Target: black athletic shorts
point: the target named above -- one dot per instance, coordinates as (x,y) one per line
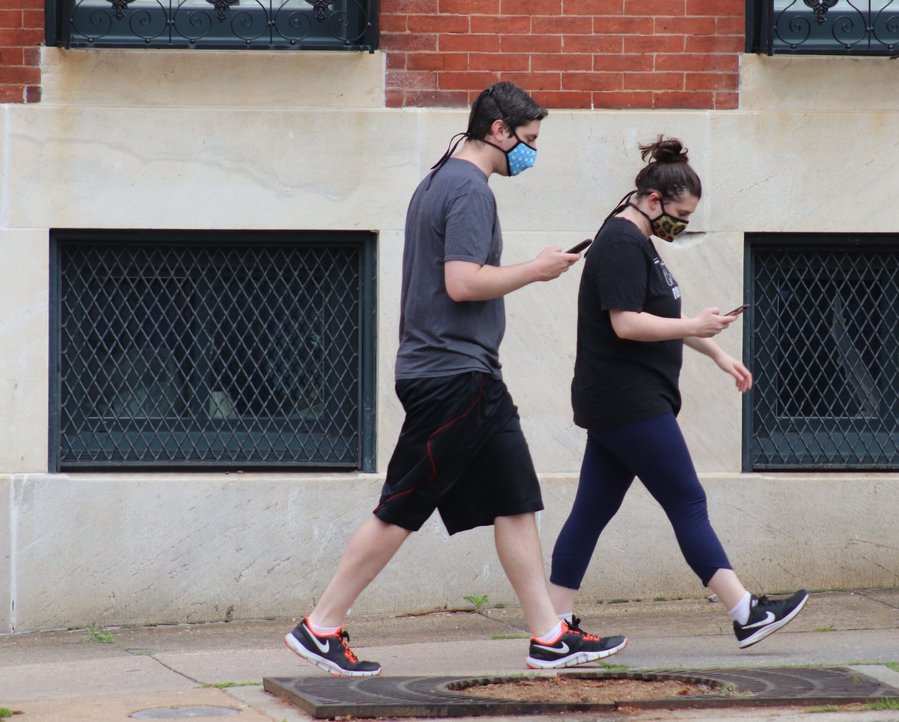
(461,451)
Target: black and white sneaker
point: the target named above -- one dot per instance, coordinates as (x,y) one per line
(766,616)
(330,652)
(572,647)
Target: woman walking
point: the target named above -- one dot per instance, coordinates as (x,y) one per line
(630,339)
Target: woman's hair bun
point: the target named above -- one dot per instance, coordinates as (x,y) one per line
(665,150)
(667,171)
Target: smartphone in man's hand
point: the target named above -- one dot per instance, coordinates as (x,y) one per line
(580,246)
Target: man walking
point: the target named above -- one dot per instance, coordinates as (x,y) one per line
(461,449)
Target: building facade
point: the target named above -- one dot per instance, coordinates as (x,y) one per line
(202,222)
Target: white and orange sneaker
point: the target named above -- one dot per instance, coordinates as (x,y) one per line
(572,647)
(330,652)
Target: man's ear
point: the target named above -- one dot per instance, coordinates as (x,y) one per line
(499,128)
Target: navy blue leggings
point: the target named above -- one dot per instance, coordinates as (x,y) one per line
(653,450)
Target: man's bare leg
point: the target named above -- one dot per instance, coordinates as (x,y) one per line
(367,553)
(518,547)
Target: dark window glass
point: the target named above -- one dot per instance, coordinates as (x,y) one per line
(246,350)
(822,339)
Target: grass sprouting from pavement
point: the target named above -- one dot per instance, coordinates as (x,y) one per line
(226,685)
(889,703)
(95,634)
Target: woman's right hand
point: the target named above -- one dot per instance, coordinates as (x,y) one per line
(709,322)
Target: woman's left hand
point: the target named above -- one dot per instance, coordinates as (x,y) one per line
(730,365)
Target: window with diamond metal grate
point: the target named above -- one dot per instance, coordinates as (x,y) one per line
(225,350)
(822,337)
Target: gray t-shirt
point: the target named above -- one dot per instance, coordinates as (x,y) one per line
(451,217)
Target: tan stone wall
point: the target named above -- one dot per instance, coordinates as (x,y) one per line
(132,548)
(170,140)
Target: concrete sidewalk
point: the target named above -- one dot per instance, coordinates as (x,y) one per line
(71,676)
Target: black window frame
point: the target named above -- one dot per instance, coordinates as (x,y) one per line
(358,245)
(353,27)
(780,439)
(798,29)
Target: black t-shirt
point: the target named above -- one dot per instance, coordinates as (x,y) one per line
(616,381)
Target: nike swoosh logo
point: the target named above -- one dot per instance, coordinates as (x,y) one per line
(564,649)
(769,617)
(321,648)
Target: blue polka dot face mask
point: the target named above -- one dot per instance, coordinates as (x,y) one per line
(520,157)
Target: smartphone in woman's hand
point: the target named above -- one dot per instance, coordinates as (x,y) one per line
(738,310)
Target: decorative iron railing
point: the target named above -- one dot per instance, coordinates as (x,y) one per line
(822,338)
(823,27)
(224,351)
(254,24)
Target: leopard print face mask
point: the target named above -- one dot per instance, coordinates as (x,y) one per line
(665,226)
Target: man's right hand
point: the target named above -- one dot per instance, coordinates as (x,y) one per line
(553,262)
(467,281)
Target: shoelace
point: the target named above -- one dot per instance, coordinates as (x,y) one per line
(344,637)
(574,626)
(760,601)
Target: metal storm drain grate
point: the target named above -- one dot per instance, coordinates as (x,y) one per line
(184,712)
(325,698)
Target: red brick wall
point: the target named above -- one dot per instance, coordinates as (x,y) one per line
(21,35)
(567,53)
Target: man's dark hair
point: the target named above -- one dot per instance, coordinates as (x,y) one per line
(504,101)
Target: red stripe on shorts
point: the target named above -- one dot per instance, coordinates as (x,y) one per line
(433,434)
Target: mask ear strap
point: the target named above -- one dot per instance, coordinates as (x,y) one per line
(458,137)
(451,148)
(623,203)
(620,206)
